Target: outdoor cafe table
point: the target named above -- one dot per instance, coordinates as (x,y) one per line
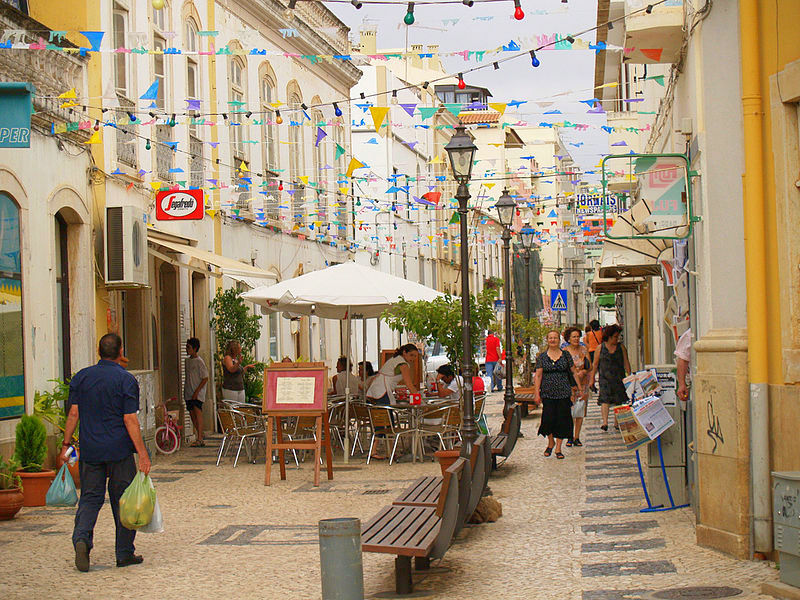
(414,411)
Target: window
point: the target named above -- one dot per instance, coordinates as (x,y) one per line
(160,18)
(296,160)
(316,175)
(164,153)
(159,70)
(343,203)
(269,129)
(62,298)
(12,380)
(238,105)
(120,25)
(196,165)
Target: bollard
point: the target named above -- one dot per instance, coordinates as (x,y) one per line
(340,559)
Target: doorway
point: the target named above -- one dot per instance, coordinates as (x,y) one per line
(169,357)
(63,348)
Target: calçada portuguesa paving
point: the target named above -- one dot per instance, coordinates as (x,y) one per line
(571,529)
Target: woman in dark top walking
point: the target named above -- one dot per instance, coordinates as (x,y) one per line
(611,362)
(553,387)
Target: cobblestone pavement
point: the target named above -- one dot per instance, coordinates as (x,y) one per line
(570,529)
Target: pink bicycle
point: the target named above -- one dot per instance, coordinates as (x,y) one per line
(168,436)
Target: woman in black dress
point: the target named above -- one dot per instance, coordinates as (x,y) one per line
(611,361)
(553,387)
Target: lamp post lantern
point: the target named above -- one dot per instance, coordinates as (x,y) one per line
(576,289)
(505,211)
(559,277)
(461,151)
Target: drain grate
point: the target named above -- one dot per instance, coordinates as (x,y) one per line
(374,492)
(697,592)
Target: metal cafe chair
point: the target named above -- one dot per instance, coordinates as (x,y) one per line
(384,422)
(249,428)
(434,422)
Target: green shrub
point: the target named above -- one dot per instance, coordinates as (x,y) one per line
(31,444)
(8,474)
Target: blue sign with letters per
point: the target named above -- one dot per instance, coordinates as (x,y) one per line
(558,300)
(15,114)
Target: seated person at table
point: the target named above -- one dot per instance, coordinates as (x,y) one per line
(394,371)
(449,384)
(370,373)
(342,379)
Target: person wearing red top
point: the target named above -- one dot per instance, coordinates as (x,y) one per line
(492,357)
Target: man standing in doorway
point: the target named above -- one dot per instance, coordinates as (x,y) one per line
(492,356)
(194,388)
(106,399)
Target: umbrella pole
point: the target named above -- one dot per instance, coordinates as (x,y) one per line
(347,397)
(364,358)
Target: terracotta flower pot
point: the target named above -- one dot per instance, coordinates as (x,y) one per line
(35,486)
(447,457)
(10,503)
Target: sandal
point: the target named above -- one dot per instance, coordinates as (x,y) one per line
(577,442)
(569,443)
(559,455)
(604,427)
(548,451)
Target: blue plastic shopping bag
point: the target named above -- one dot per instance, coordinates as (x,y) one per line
(62,490)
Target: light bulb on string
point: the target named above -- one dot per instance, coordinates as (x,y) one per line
(394,97)
(158,4)
(461,84)
(409,18)
(147,145)
(534,61)
(496,66)
(97,125)
(336,110)
(280,186)
(131,117)
(469,3)
(172,121)
(519,14)
(278,118)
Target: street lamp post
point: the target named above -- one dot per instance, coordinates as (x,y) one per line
(559,277)
(526,236)
(505,210)
(461,151)
(576,289)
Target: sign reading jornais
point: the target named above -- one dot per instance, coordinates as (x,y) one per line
(179,205)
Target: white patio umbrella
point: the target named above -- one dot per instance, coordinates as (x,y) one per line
(342,292)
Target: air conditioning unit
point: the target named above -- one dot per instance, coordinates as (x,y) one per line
(126,247)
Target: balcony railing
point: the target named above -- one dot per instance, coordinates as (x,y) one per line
(654,37)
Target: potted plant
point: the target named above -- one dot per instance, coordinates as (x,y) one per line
(30,452)
(49,406)
(10,489)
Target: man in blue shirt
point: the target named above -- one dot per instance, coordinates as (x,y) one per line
(106,398)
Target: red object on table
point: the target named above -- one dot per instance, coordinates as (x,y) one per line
(416,399)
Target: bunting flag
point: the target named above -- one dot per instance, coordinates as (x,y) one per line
(304,179)
(95,38)
(652,53)
(320,135)
(453,108)
(454,220)
(339,152)
(409,108)
(498,106)
(70,97)
(95,139)
(426,112)
(354,164)
(378,115)
(151,93)
(432,198)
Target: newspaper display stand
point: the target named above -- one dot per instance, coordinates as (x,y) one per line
(641,423)
(296,390)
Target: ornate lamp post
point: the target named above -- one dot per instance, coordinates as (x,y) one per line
(576,289)
(461,151)
(505,211)
(559,277)
(526,237)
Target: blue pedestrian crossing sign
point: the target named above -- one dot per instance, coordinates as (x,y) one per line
(558,300)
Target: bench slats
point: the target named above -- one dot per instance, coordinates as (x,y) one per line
(498,443)
(401,530)
(423,492)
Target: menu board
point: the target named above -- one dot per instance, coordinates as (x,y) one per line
(294,390)
(295,387)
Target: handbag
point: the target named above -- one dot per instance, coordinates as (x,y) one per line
(578,408)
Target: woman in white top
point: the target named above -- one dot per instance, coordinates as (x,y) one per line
(394,371)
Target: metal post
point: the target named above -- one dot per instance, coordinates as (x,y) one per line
(575,304)
(508,395)
(526,256)
(469,431)
(340,559)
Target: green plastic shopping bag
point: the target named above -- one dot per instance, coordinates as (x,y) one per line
(62,490)
(138,502)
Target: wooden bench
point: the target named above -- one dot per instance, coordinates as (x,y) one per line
(419,531)
(525,400)
(503,443)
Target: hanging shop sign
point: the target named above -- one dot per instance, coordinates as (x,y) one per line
(596,204)
(180,205)
(15,114)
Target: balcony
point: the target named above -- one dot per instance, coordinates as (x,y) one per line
(654,38)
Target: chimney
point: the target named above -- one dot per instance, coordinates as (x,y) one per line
(433,62)
(368,41)
(416,50)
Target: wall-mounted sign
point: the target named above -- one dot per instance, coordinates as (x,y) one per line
(15,114)
(180,205)
(593,204)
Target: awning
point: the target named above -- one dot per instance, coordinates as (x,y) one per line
(252,276)
(633,256)
(616,286)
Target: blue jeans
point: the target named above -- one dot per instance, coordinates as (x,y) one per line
(490,366)
(119,474)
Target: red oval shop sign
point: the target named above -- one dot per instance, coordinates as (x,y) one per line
(179,205)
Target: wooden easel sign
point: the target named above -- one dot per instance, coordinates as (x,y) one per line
(296,390)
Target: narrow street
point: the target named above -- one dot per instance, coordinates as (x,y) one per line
(570,530)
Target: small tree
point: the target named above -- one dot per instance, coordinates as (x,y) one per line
(439,320)
(231,320)
(30,448)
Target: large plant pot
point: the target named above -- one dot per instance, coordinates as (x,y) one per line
(447,457)
(10,503)
(35,486)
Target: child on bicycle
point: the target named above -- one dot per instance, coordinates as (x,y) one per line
(194,388)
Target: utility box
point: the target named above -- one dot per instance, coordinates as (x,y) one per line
(786,523)
(673,446)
